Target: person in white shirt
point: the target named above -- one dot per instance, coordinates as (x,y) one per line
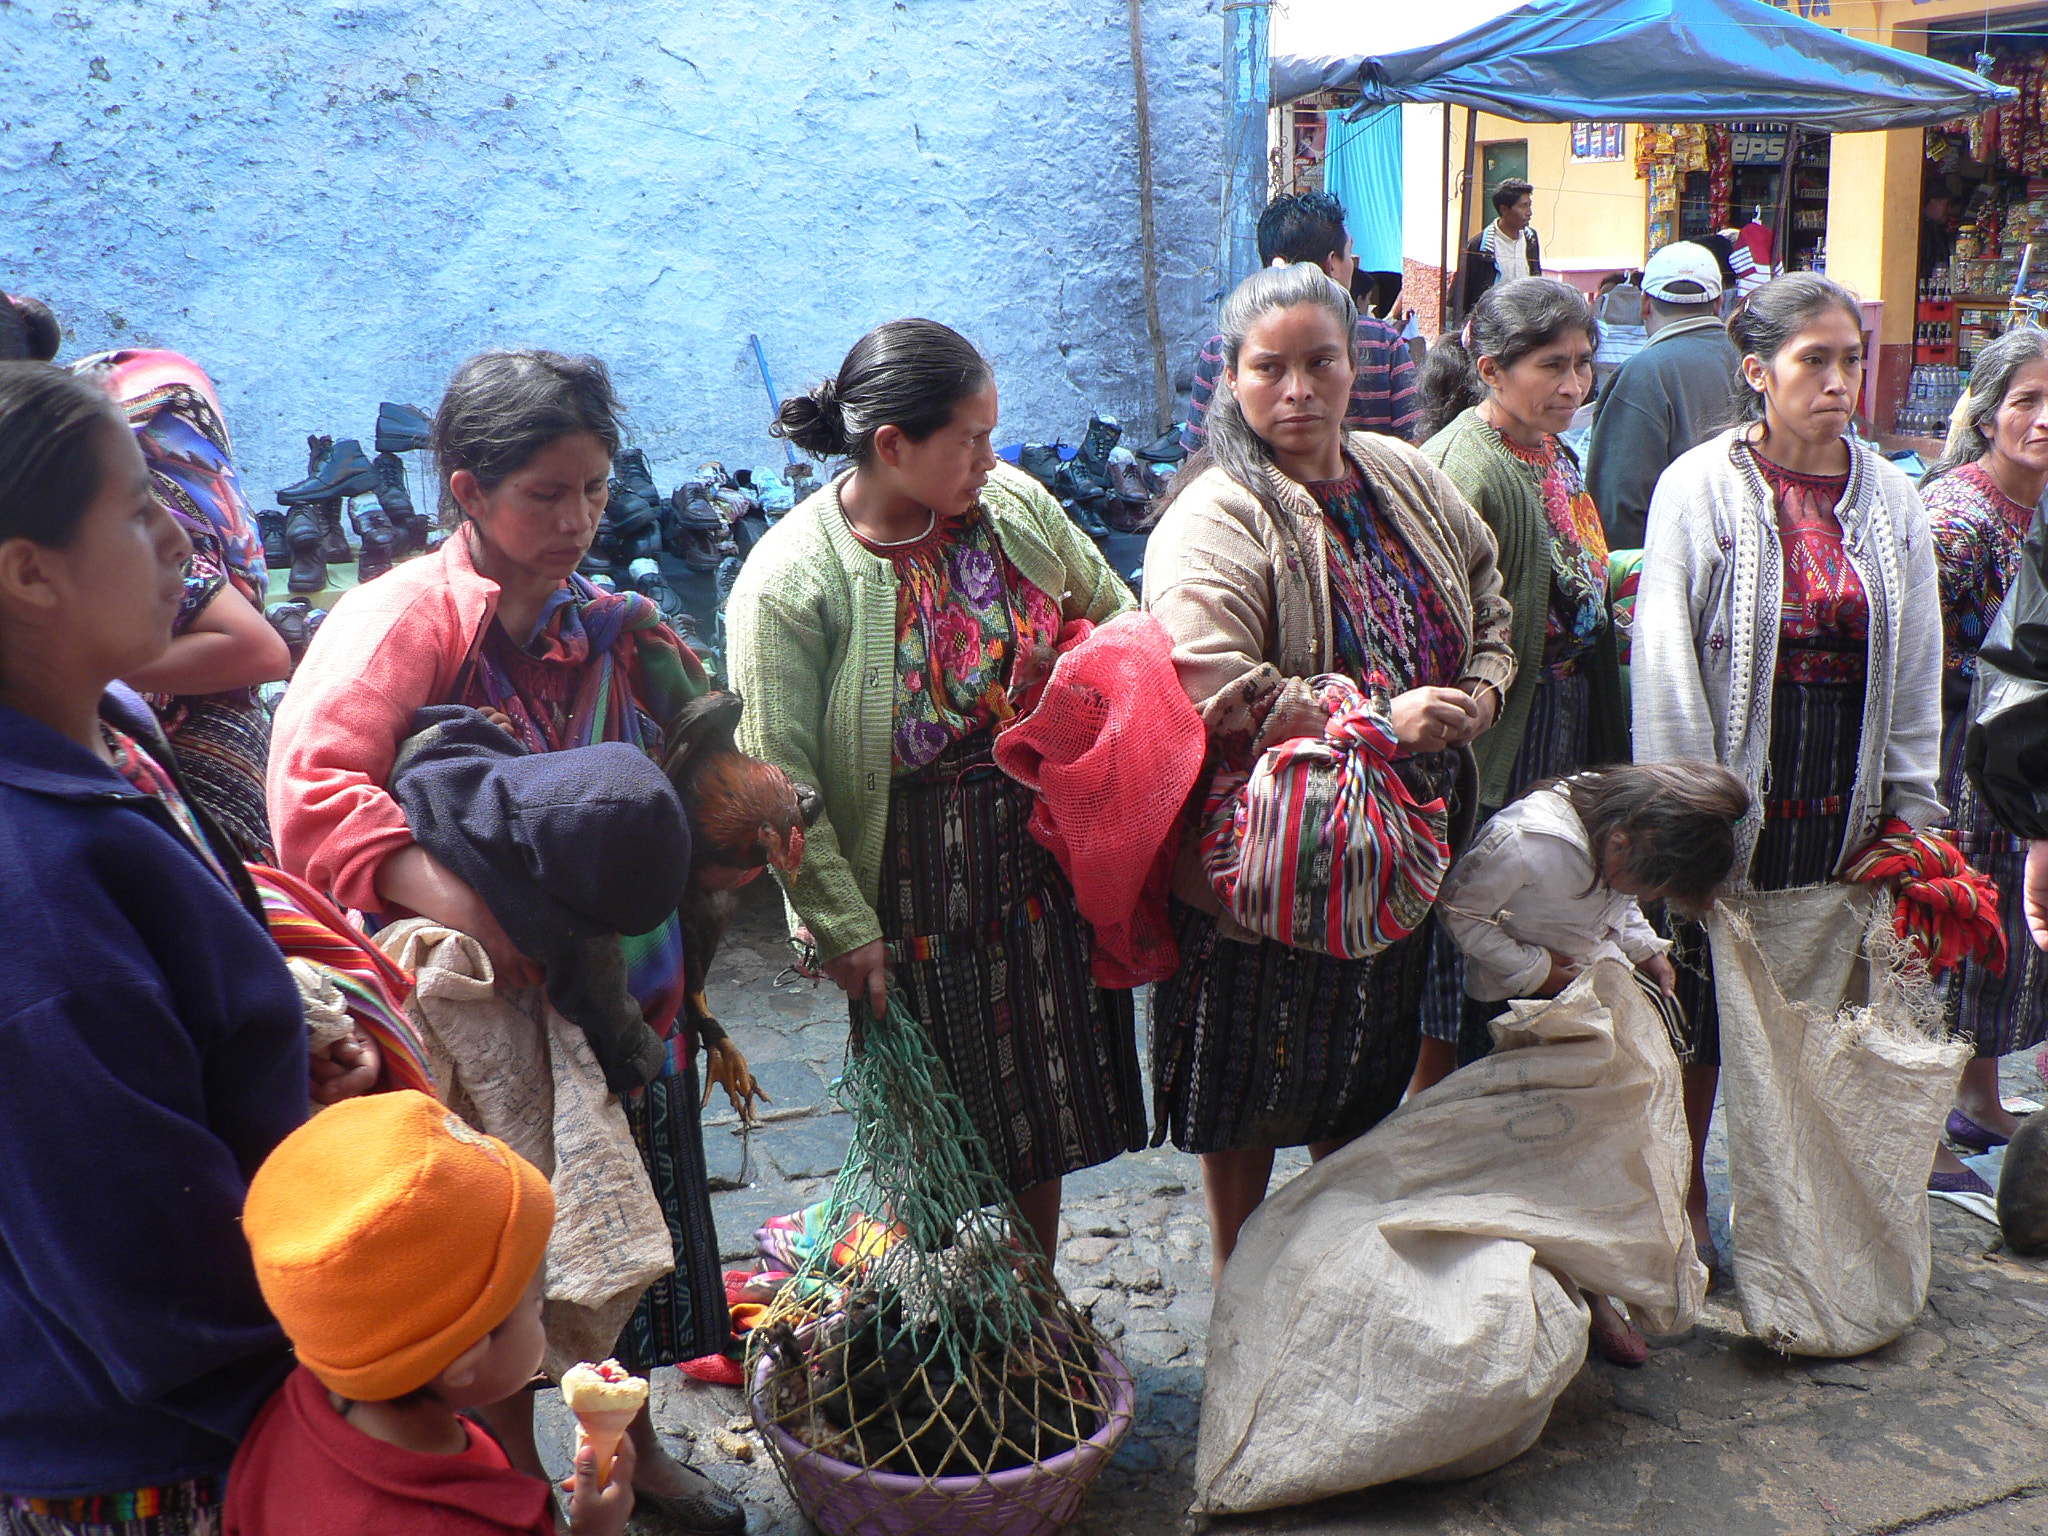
(1556,880)
(1506,249)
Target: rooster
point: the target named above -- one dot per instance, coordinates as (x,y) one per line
(745,816)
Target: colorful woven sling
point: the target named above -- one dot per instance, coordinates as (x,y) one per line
(307,926)
(1947,911)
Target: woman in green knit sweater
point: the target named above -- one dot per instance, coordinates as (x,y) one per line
(881,632)
(1496,399)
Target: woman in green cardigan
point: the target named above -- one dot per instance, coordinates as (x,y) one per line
(1497,398)
(881,632)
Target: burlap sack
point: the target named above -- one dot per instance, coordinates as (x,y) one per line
(1402,1308)
(517,1070)
(1836,1077)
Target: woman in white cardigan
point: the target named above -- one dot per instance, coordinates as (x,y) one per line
(1788,626)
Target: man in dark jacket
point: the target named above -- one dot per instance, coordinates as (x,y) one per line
(1506,249)
(1674,394)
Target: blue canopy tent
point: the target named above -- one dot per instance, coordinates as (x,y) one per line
(1562,61)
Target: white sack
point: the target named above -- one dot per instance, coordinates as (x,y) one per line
(516,1069)
(1836,1078)
(1398,1310)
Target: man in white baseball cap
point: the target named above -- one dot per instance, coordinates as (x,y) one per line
(1675,393)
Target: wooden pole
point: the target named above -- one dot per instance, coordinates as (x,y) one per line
(1162,382)
(1443,229)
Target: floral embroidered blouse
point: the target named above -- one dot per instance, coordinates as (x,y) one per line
(1824,613)
(964,617)
(1978,531)
(1578,553)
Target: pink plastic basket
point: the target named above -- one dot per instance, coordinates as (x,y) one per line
(846,1500)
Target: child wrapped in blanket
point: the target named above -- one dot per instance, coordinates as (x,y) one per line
(1559,876)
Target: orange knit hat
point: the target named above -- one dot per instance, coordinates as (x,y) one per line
(389,1236)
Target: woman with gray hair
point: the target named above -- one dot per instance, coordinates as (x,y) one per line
(1982,496)
(1292,548)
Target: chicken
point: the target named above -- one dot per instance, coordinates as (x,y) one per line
(745,816)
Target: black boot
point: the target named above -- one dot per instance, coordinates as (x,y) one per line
(630,470)
(335,548)
(396,502)
(1104,432)
(346,471)
(647,580)
(402,428)
(1086,519)
(289,620)
(318,446)
(276,552)
(1041,461)
(1165,448)
(379,540)
(303,537)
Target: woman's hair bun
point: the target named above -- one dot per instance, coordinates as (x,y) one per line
(815,422)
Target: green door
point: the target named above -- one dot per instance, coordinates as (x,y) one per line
(1497,162)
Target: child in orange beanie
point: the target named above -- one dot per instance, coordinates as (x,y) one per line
(401,1250)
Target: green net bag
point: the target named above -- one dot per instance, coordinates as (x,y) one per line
(925,1372)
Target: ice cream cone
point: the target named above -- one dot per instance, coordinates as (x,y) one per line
(605,1399)
(603,1429)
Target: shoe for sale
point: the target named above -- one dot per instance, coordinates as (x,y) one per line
(374,529)
(303,536)
(392,495)
(1165,448)
(697,548)
(314,620)
(596,561)
(628,509)
(291,621)
(1085,519)
(374,563)
(275,551)
(318,446)
(335,548)
(728,577)
(345,471)
(1103,434)
(630,470)
(402,428)
(1041,461)
(636,544)
(693,508)
(645,574)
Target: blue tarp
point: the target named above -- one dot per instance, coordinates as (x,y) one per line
(1362,170)
(1562,61)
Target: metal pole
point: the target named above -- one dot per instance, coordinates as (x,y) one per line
(768,382)
(1443,230)
(1249,86)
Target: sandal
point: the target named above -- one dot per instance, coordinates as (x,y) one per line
(1619,1346)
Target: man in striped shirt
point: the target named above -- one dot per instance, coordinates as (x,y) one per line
(1309,226)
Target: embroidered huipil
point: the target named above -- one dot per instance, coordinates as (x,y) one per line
(1392,628)
(1824,617)
(1978,531)
(1578,554)
(964,617)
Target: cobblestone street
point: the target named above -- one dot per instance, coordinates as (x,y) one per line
(1944,1431)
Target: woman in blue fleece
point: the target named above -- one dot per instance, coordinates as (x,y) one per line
(152,1050)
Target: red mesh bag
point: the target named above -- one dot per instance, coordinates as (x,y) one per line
(1113,750)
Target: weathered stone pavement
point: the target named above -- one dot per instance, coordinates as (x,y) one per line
(1945,1431)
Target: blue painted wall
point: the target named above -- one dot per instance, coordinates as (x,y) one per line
(329,204)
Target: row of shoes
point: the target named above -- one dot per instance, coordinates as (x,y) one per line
(1104,486)
(699,523)
(306,531)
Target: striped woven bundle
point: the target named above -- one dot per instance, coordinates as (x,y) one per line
(1322,846)
(307,926)
(1946,910)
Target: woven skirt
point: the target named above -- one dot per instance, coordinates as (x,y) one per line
(1816,738)
(1553,744)
(222,746)
(2008,1013)
(683,1315)
(990,954)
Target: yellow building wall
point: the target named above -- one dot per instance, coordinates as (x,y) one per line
(1589,215)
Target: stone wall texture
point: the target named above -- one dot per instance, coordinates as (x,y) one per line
(329,204)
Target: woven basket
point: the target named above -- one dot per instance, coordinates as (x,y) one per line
(842,1499)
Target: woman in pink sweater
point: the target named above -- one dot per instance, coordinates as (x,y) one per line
(498,619)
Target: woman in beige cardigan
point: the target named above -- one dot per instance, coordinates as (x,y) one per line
(1291,549)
